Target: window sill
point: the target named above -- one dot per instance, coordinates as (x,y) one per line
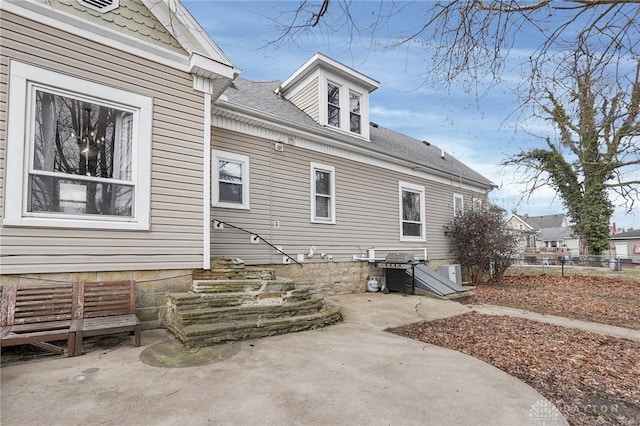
(325,222)
(231,206)
(413,239)
(39,222)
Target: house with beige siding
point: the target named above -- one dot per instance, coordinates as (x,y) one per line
(105,111)
(125,134)
(297,163)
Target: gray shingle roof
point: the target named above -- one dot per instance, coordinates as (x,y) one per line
(628,234)
(555,233)
(546,221)
(422,156)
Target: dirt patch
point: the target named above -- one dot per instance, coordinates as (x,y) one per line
(613,301)
(592,379)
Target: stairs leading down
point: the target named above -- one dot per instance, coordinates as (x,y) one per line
(231,302)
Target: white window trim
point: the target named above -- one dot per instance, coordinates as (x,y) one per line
(346,87)
(476,203)
(402,186)
(339,105)
(216,156)
(21,76)
(457,213)
(312,190)
(359,114)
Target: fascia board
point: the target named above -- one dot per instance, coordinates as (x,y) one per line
(44,14)
(337,140)
(210,68)
(319,60)
(180,23)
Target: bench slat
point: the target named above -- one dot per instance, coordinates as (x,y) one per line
(36,313)
(106,307)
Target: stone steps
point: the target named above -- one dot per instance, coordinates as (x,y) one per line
(256,311)
(199,335)
(238,285)
(232,302)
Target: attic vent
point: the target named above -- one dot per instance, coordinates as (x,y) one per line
(374,124)
(426,143)
(100,5)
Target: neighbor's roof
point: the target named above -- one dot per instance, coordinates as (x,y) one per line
(555,233)
(626,235)
(261,97)
(546,221)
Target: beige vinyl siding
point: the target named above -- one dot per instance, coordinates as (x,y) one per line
(367,206)
(175,238)
(307,99)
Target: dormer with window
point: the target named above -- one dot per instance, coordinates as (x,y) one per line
(331,93)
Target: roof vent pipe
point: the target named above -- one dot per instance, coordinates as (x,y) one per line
(442,153)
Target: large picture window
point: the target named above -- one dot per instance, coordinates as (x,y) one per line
(230,188)
(78,153)
(323,206)
(412,221)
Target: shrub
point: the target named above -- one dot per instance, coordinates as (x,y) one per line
(482,242)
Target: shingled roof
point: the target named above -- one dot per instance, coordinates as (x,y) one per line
(545,221)
(247,96)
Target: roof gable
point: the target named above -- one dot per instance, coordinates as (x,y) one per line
(179,41)
(131,17)
(546,221)
(318,61)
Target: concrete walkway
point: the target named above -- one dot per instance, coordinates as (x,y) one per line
(353,373)
(593,327)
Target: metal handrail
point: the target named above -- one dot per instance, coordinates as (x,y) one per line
(253,234)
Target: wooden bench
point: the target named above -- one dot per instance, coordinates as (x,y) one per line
(104,308)
(37,314)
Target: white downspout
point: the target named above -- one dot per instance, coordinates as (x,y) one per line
(206,208)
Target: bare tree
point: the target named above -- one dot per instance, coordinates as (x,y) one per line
(473,39)
(579,70)
(598,125)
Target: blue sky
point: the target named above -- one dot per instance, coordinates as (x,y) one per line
(478,131)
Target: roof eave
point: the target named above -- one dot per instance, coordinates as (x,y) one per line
(337,139)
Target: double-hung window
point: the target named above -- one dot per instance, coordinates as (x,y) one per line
(354,112)
(78,153)
(333,104)
(476,203)
(323,205)
(230,188)
(412,218)
(458,205)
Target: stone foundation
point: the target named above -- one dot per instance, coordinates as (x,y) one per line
(152,287)
(331,277)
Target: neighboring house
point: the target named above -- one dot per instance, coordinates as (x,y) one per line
(527,232)
(298,163)
(546,235)
(104,142)
(626,245)
(118,148)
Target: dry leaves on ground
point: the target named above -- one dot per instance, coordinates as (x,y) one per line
(592,379)
(600,299)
